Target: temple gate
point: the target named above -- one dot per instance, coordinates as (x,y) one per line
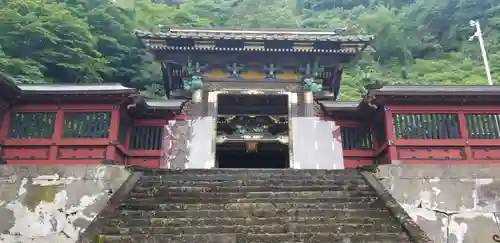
(258,116)
(256,93)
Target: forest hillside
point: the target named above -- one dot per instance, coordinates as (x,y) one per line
(86,41)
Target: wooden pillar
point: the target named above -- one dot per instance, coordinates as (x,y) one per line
(113,135)
(389,129)
(197,96)
(212,111)
(308,103)
(5,125)
(462,129)
(196,105)
(57,135)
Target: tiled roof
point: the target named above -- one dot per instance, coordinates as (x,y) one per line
(256,34)
(8,89)
(163,104)
(437,90)
(340,105)
(72,88)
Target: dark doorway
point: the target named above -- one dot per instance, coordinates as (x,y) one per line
(268,157)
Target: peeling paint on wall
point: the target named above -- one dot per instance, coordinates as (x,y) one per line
(451,203)
(56,206)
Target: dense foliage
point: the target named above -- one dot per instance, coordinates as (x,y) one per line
(81,41)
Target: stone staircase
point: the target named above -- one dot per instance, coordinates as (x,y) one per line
(250,206)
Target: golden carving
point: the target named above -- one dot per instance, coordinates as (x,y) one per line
(217,73)
(251,146)
(252,74)
(287,74)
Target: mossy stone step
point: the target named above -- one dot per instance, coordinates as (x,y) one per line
(155,221)
(244,188)
(343,214)
(167,181)
(286,227)
(262,238)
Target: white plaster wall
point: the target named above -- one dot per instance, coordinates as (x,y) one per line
(201,154)
(314,146)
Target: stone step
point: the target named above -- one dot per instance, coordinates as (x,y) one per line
(158,172)
(261,238)
(219,200)
(244,188)
(264,204)
(229,177)
(157,221)
(250,206)
(162,195)
(167,181)
(255,229)
(343,214)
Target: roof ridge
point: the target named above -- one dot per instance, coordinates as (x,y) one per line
(302,31)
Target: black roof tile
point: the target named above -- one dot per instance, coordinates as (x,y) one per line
(437,90)
(255,34)
(76,89)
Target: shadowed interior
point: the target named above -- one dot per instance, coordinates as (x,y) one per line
(252,130)
(268,156)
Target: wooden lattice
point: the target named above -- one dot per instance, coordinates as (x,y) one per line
(87,124)
(25,125)
(146,138)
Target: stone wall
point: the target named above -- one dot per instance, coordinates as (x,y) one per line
(48,204)
(451,203)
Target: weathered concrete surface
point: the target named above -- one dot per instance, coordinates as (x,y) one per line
(53,204)
(176,144)
(451,203)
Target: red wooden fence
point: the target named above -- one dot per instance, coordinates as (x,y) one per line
(82,134)
(447,134)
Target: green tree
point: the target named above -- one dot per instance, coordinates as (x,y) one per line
(50,35)
(417,41)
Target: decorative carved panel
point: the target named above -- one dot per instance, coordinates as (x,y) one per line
(240,127)
(431,153)
(81,152)
(25,153)
(353,162)
(486,153)
(148,162)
